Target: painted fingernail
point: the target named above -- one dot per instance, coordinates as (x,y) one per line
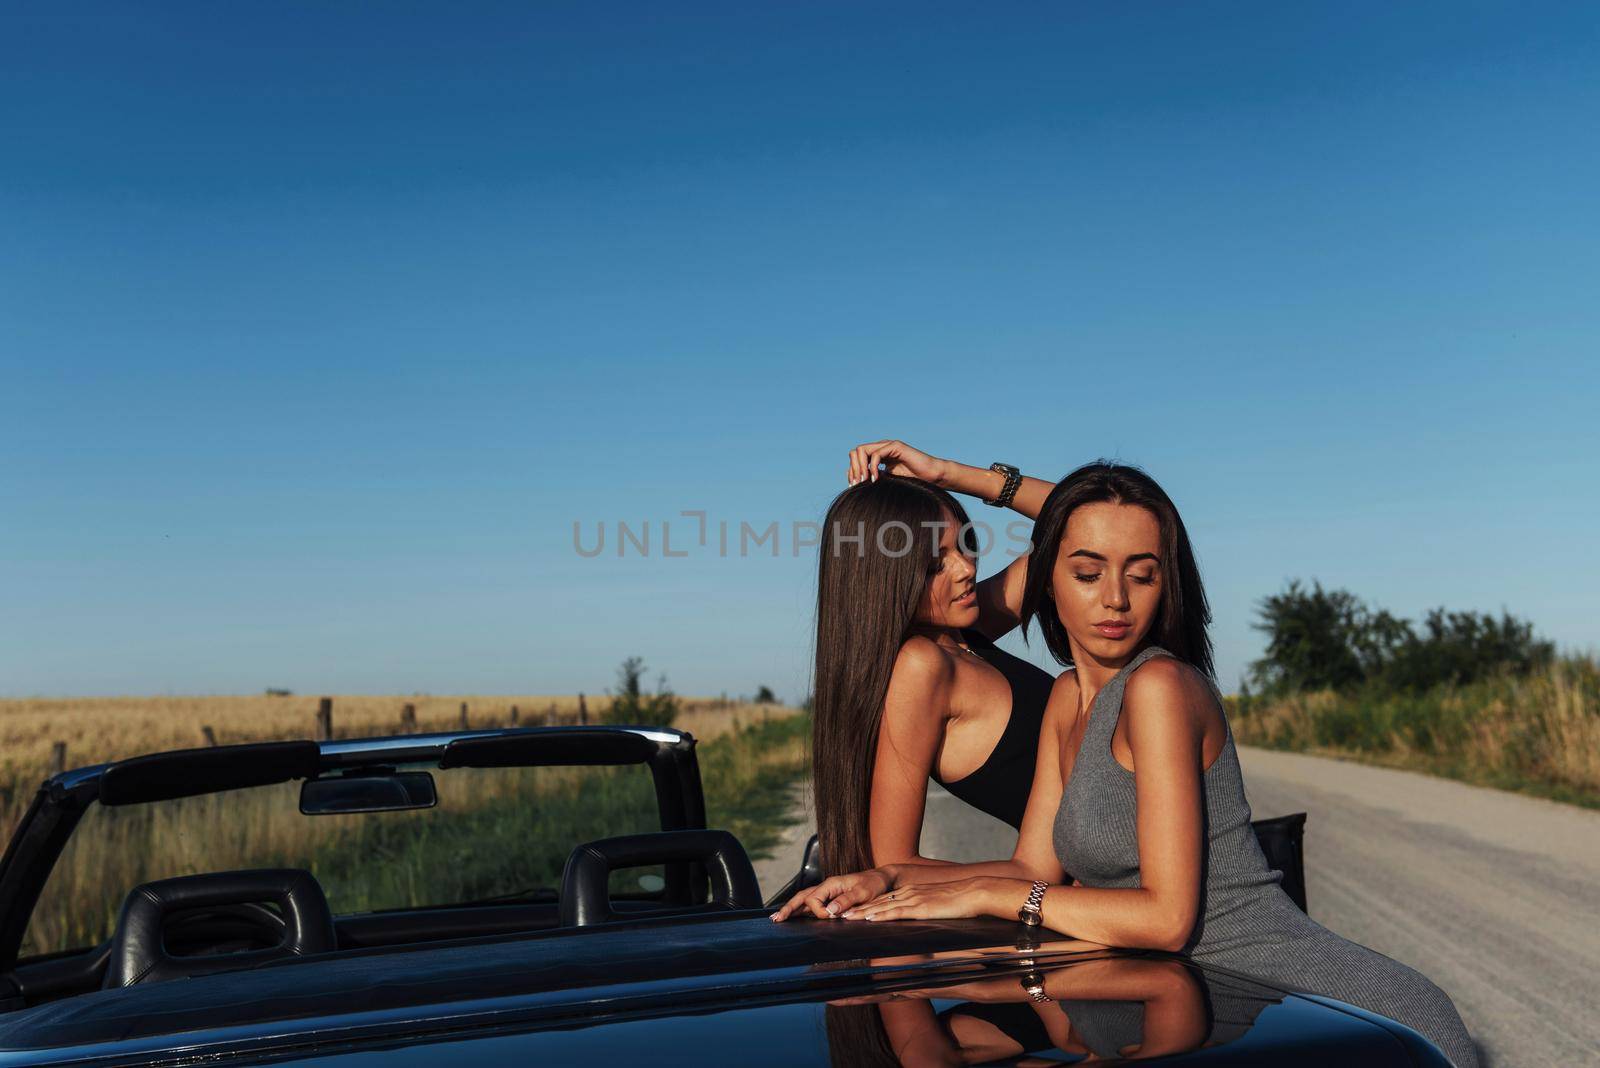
(831,910)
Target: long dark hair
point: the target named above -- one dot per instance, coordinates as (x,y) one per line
(1181,622)
(857,1037)
(880,544)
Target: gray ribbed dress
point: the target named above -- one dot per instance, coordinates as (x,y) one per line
(1247,923)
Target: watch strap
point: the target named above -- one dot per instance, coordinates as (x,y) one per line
(1029,912)
(1008,490)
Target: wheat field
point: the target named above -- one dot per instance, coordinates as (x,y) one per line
(98,729)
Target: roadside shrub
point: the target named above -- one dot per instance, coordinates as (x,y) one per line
(631,704)
(1535,730)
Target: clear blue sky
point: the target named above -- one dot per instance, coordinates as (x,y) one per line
(323,323)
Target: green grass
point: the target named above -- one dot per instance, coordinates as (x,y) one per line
(516,842)
(749,775)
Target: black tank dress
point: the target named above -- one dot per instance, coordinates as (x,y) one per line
(1001,783)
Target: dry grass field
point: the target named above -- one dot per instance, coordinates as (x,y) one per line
(108,728)
(754,750)
(98,729)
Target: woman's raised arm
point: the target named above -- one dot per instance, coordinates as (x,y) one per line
(999,595)
(898,458)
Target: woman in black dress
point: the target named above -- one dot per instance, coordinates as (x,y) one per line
(909,684)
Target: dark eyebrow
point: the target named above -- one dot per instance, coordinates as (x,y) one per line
(1131,559)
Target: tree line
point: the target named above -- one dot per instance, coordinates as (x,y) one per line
(1331,639)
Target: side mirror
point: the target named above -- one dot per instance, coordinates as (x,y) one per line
(382,791)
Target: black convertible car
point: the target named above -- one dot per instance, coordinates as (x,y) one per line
(401,901)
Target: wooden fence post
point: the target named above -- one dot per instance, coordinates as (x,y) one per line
(325,719)
(583,710)
(463,715)
(514,715)
(209,735)
(58,757)
(408,719)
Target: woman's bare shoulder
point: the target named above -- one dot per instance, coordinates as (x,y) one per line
(921,657)
(920,683)
(1167,675)
(1166,685)
(1063,703)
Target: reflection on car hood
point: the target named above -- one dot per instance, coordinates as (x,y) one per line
(706,990)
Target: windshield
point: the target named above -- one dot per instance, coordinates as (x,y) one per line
(495,833)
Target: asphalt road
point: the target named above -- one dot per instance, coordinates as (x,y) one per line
(1494,896)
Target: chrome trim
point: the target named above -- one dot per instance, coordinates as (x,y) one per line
(415,746)
(389,743)
(74,777)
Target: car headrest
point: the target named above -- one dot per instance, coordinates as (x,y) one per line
(138,950)
(584,896)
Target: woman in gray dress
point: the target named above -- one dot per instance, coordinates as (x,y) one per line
(1137,790)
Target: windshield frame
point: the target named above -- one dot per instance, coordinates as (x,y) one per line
(63,799)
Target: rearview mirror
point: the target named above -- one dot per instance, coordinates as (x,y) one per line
(388,791)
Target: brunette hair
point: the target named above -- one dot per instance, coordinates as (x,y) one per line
(880,545)
(857,1038)
(1181,621)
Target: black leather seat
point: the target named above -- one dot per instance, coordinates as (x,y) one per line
(138,948)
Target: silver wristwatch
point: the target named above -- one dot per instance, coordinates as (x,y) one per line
(1029,912)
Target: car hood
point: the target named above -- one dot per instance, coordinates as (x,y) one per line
(709,990)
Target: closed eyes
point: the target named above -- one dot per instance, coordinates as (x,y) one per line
(1087,579)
